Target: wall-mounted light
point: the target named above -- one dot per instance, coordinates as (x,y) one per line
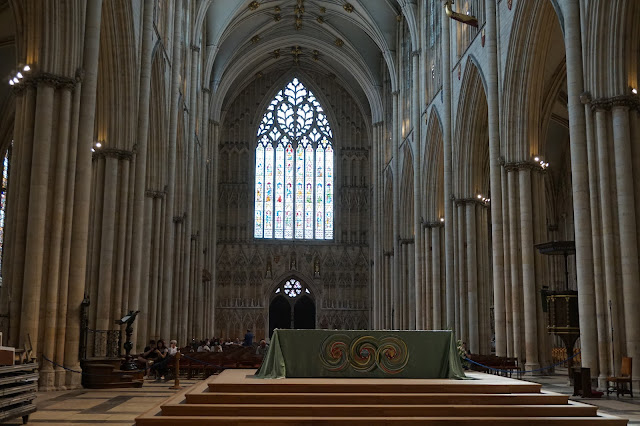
(98,144)
(18,76)
(442,219)
(634,90)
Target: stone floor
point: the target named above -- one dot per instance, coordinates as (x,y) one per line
(625,406)
(119,407)
(116,407)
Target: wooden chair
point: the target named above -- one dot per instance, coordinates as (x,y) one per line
(621,380)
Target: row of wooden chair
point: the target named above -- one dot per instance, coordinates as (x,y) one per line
(499,365)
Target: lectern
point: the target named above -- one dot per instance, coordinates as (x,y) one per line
(128,319)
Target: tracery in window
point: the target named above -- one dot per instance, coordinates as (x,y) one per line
(294,168)
(292,288)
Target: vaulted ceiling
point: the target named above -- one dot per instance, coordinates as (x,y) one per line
(352,40)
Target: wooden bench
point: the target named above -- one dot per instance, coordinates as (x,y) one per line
(208,363)
(507,365)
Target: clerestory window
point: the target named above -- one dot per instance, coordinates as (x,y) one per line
(294,168)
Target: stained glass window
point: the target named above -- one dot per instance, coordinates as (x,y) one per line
(292,288)
(3,204)
(294,168)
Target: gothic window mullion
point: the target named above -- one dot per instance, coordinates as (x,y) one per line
(296,179)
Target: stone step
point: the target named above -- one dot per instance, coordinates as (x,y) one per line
(390,386)
(376,398)
(351,410)
(382,421)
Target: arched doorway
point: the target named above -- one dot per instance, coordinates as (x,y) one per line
(292,306)
(279,314)
(304,313)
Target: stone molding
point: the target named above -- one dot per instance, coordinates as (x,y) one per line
(434,224)
(178,219)
(402,241)
(387,253)
(522,165)
(155,194)
(606,104)
(469,200)
(53,80)
(120,154)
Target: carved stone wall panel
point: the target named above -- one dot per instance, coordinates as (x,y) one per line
(248,270)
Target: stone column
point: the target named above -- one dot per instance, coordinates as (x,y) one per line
(120,294)
(54,285)
(497,248)
(19,233)
(627,230)
(446,146)
(461,264)
(516,305)
(105,276)
(437,280)
(506,238)
(395,280)
(427,291)
(82,196)
(418,260)
(528,271)
(215,210)
(66,244)
(472,278)
(37,216)
(142,136)
(580,187)
(602,310)
(169,249)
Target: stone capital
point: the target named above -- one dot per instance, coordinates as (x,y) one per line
(606,104)
(120,154)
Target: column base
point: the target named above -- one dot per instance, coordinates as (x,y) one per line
(533,366)
(47,380)
(73,380)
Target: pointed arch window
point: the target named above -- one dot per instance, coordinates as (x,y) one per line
(294,191)
(4,183)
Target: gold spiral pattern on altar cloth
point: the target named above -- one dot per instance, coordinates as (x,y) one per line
(364,354)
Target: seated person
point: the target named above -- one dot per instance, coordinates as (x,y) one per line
(262,348)
(149,355)
(216,347)
(173,347)
(229,342)
(204,347)
(238,342)
(162,359)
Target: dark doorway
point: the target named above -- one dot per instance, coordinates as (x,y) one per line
(279,314)
(304,313)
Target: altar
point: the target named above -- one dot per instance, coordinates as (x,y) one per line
(362,354)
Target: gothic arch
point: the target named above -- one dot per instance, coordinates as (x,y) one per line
(406,195)
(310,84)
(533,29)
(471,140)
(116,106)
(433,169)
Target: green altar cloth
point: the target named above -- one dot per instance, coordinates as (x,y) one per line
(362,353)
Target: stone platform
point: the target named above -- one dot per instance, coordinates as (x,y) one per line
(235,397)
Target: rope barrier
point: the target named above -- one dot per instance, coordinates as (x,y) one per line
(203,362)
(522,372)
(89,374)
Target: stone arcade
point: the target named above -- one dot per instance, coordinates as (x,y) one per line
(392,166)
